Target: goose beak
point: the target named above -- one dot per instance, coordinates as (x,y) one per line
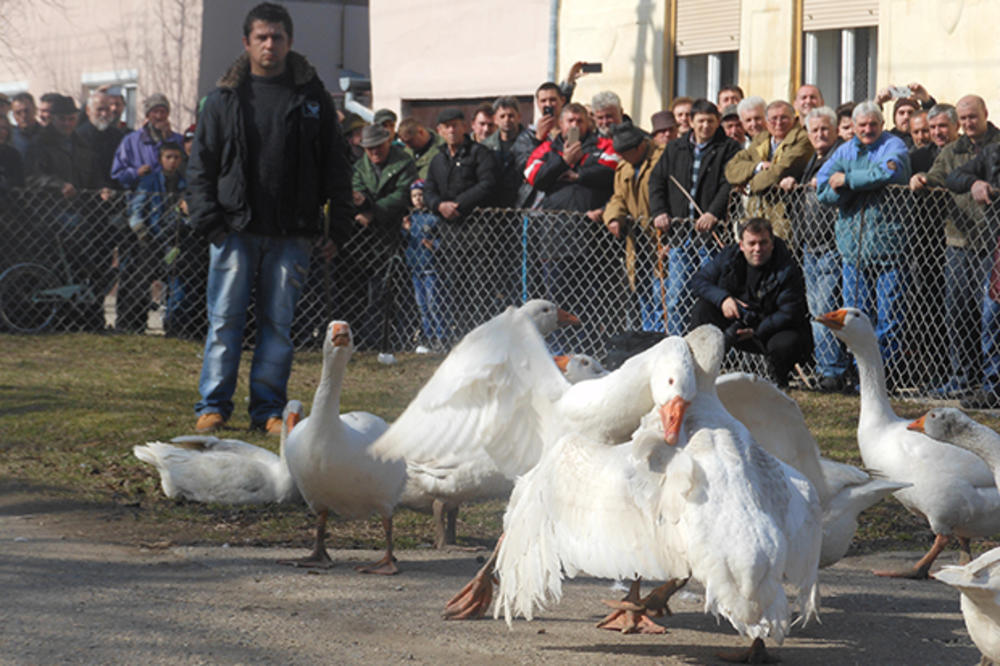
(917,425)
(561,361)
(291,420)
(672,415)
(833,320)
(341,335)
(564,318)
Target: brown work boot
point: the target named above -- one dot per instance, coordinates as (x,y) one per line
(273,426)
(210,422)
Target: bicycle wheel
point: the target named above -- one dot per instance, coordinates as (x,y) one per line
(23,309)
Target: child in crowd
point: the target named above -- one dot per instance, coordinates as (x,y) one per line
(156,219)
(421,233)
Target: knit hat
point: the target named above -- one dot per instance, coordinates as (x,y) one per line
(418,184)
(663,120)
(189,132)
(451,113)
(374,135)
(384,116)
(153,101)
(626,136)
(905,101)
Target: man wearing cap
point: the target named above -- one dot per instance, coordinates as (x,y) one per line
(381,195)
(627,216)
(664,128)
(138,153)
(268,154)
(732,126)
(57,158)
(461,177)
(387,119)
(781,150)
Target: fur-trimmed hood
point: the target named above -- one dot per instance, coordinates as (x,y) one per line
(302,71)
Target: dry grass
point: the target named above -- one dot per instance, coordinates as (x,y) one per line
(74,405)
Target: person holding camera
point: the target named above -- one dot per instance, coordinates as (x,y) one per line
(755,292)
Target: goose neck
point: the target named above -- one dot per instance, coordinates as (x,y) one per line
(871,377)
(326,400)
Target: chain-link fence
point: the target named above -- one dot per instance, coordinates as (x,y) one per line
(128,261)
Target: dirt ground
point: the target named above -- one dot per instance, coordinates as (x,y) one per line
(79,587)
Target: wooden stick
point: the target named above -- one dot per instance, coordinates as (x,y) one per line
(697,208)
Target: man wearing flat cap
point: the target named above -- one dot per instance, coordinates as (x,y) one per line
(664,128)
(626,216)
(139,152)
(381,191)
(461,177)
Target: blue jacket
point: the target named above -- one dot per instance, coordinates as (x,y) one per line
(136,149)
(148,206)
(868,170)
(423,226)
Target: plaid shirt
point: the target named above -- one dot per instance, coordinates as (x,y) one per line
(699,149)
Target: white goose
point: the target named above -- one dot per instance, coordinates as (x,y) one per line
(718,507)
(579,367)
(329,456)
(979,583)
(203,468)
(952,488)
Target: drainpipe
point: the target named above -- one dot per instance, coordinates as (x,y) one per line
(553,38)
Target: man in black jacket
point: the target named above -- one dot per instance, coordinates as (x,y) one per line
(267,154)
(754,291)
(461,177)
(688,197)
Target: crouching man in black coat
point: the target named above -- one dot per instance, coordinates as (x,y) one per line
(755,293)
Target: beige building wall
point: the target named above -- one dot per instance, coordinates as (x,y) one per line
(450,49)
(767,59)
(626,36)
(950,46)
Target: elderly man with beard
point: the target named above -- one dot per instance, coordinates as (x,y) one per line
(138,153)
(871,235)
(101,134)
(752,114)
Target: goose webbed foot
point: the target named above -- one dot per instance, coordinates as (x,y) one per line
(921,570)
(472,600)
(384,567)
(318,559)
(755,654)
(632,614)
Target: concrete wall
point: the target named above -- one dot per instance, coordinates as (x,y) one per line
(950,46)
(626,36)
(448,49)
(767,37)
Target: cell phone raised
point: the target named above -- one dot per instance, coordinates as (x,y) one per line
(900,91)
(572,135)
(592,68)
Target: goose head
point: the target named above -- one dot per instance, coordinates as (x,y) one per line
(292,414)
(943,423)
(338,336)
(547,316)
(673,385)
(708,348)
(850,325)
(579,367)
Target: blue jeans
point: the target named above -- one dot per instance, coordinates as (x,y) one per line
(650,303)
(880,294)
(822,271)
(426,292)
(273,269)
(684,260)
(990,329)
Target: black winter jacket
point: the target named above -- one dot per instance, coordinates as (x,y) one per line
(713,189)
(469,178)
(780,298)
(315,167)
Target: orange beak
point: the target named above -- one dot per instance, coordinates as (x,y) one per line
(561,361)
(834,320)
(341,335)
(291,420)
(672,415)
(566,319)
(917,425)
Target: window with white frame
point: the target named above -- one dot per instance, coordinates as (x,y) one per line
(706,44)
(703,75)
(125,81)
(841,63)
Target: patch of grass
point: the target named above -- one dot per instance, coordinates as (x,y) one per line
(72,407)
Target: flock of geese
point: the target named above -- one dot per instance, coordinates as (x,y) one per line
(661,469)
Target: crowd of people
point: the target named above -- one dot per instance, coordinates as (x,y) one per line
(398,190)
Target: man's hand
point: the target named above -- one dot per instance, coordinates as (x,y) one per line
(662,222)
(364,219)
(983,192)
(407,223)
(68,191)
(575,72)
(544,126)
(706,222)
(837,179)
(883,96)
(327,248)
(787,183)
(572,152)
(730,307)
(595,215)
(106,193)
(428,243)
(143,170)
(448,210)
(918,182)
(744,333)
(358,198)
(615,228)
(918,92)
(761,166)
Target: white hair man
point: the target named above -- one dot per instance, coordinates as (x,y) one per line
(606,108)
(751,112)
